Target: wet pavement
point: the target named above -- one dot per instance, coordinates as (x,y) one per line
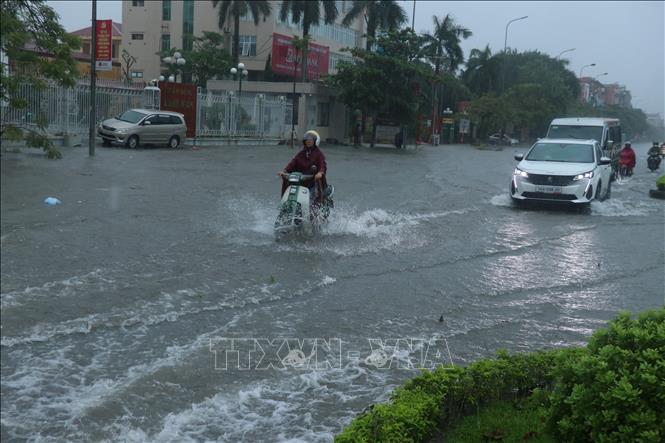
(153,304)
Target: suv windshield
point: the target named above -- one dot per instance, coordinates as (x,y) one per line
(578,132)
(561,152)
(131,116)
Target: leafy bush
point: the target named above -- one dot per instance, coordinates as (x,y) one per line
(434,399)
(616,392)
(660,183)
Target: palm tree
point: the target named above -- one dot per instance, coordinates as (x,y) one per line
(236,9)
(378,14)
(309,11)
(443,45)
(443,48)
(479,70)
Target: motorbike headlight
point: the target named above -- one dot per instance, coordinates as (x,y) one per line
(584,175)
(519,172)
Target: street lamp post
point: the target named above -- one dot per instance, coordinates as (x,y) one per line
(505,47)
(563,52)
(178,60)
(585,66)
(242,72)
(599,75)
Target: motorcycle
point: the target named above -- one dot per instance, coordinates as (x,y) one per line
(624,172)
(653,161)
(299,213)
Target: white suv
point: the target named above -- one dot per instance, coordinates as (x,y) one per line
(562,170)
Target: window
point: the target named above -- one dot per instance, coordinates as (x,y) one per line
(188,25)
(166,42)
(335,59)
(137,36)
(137,74)
(114,49)
(324,114)
(139,3)
(246,17)
(248,45)
(86,48)
(153,119)
(166,10)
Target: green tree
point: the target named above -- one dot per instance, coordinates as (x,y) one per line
(403,43)
(490,113)
(236,9)
(33,22)
(308,13)
(386,15)
(385,83)
(533,108)
(481,71)
(207,60)
(442,47)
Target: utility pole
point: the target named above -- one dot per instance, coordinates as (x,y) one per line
(413,17)
(93,81)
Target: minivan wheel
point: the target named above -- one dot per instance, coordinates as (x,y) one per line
(133,142)
(174,142)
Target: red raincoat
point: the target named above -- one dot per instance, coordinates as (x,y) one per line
(303,162)
(627,157)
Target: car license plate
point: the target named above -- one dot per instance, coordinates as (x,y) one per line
(549,189)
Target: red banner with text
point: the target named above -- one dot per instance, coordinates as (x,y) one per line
(284,58)
(103,45)
(180,97)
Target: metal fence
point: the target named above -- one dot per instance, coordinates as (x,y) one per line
(256,115)
(67,110)
(219,113)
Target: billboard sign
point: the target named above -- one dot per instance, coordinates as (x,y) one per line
(103,45)
(284,58)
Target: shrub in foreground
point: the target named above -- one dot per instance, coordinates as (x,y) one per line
(616,392)
(611,391)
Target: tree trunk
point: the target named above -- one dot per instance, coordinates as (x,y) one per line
(304,64)
(236,39)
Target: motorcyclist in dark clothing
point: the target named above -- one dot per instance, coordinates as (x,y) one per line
(654,149)
(653,157)
(309,156)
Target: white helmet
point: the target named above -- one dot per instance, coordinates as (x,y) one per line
(312,135)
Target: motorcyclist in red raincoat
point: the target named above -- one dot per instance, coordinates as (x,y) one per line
(310,156)
(627,158)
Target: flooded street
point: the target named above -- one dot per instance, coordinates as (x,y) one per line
(153,304)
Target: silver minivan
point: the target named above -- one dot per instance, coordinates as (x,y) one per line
(144,126)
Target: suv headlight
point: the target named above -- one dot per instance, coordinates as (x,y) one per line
(519,172)
(584,175)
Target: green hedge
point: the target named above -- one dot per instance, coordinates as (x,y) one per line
(611,391)
(660,183)
(615,393)
(432,400)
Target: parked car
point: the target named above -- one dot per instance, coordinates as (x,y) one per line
(144,126)
(563,170)
(498,139)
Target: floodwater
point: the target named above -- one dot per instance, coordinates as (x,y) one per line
(153,304)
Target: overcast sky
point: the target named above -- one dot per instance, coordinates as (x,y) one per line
(626,39)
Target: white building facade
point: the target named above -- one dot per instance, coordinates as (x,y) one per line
(151,26)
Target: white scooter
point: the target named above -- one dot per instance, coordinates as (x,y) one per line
(298,214)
